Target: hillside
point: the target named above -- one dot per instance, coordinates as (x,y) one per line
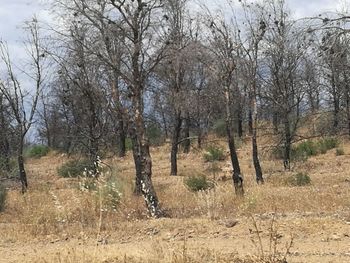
(56,222)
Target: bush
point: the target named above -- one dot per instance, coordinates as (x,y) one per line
(75,168)
(128,144)
(198,183)
(38,151)
(214,154)
(327,144)
(299,179)
(107,191)
(3,194)
(339,151)
(219,128)
(154,134)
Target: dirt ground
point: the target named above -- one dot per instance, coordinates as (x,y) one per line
(308,224)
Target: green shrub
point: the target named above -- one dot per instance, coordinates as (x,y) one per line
(339,151)
(128,144)
(154,134)
(38,151)
(3,194)
(198,183)
(13,172)
(327,144)
(219,128)
(214,154)
(75,168)
(299,179)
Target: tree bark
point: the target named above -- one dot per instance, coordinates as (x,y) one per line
(236,176)
(287,143)
(175,144)
(257,166)
(187,142)
(22,171)
(142,158)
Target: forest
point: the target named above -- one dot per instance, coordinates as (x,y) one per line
(132,120)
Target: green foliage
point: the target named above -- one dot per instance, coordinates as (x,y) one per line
(198,183)
(3,195)
(12,172)
(219,128)
(37,151)
(327,144)
(299,179)
(154,134)
(75,168)
(128,144)
(304,150)
(339,152)
(214,154)
(308,148)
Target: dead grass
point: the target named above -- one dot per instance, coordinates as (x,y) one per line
(54,208)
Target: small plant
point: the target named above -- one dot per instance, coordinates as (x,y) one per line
(299,179)
(214,154)
(75,168)
(107,190)
(38,151)
(219,128)
(198,183)
(128,144)
(327,144)
(3,194)
(339,152)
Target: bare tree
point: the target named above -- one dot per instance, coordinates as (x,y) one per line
(15,94)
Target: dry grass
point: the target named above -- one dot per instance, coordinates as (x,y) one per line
(55,209)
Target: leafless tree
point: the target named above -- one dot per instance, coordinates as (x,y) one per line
(16,95)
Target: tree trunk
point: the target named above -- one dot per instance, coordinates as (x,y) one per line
(142,156)
(258,171)
(287,143)
(22,171)
(175,144)
(187,142)
(121,141)
(237,177)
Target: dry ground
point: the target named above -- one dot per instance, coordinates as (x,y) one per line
(56,222)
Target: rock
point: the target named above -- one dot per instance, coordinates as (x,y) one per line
(230,223)
(335,237)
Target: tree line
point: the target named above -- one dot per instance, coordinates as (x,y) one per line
(110,75)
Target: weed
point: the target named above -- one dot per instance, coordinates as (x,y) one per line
(38,151)
(198,183)
(299,179)
(219,128)
(339,152)
(3,195)
(75,168)
(214,154)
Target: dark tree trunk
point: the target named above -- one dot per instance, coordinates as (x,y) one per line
(121,140)
(21,168)
(175,143)
(250,122)
(258,171)
(275,121)
(187,142)
(4,143)
(287,143)
(142,156)
(335,104)
(239,122)
(237,177)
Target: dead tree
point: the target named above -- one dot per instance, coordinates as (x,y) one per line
(16,96)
